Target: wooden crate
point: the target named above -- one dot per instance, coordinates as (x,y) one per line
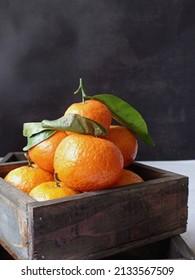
(93,225)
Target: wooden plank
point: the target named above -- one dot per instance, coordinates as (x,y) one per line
(140,247)
(149,172)
(85,225)
(6,167)
(169,248)
(13,157)
(180,248)
(14,220)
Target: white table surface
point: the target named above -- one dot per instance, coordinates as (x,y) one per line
(183,167)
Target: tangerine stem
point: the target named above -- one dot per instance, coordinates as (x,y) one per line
(81,88)
(30,162)
(57,181)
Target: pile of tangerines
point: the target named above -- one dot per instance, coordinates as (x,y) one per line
(68,163)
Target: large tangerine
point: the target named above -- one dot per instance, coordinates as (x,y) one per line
(87,163)
(27,177)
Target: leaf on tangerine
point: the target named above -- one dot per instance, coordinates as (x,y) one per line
(76,123)
(37,138)
(32,128)
(39,131)
(125,114)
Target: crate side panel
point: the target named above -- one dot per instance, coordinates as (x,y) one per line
(125,248)
(7,157)
(14,157)
(13,228)
(76,229)
(167,248)
(13,220)
(150,172)
(8,166)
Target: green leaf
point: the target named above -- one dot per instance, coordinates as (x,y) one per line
(32,128)
(37,132)
(76,123)
(126,115)
(37,138)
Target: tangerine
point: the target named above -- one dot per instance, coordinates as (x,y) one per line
(42,154)
(86,163)
(92,109)
(125,140)
(128,177)
(27,177)
(51,190)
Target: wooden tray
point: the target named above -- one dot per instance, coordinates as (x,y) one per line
(93,225)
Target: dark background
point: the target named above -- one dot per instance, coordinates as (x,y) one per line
(142,51)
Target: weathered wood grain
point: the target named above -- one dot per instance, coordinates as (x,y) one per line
(165,248)
(13,157)
(7,167)
(92,223)
(14,220)
(149,172)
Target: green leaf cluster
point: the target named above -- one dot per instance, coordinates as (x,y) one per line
(121,111)
(126,115)
(39,131)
